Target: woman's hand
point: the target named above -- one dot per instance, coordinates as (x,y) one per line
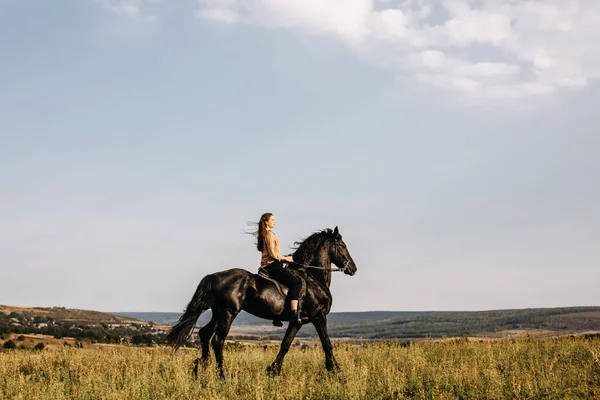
(288,259)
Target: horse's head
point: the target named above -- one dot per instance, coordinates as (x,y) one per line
(339,254)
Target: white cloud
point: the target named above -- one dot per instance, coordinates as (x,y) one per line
(533,47)
(134,10)
(220,10)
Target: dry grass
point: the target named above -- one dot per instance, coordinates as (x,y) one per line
(526,368)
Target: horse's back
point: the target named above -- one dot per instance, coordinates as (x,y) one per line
(253,281)
(233,271)
(231,278)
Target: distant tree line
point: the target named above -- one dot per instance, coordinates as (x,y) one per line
(138,334)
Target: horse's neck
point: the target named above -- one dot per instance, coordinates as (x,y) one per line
(321,259)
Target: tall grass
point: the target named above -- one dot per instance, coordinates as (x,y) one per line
(527,368)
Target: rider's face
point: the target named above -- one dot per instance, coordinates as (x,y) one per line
(271,222)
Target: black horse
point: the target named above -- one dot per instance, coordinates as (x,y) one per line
(228,292)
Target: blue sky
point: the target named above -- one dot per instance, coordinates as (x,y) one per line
(454,143)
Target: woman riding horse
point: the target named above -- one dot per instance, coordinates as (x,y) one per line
(228,292)
(272,262)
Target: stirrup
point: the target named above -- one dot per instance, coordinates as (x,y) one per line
(277,323)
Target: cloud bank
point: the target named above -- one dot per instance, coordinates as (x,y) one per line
(484,48)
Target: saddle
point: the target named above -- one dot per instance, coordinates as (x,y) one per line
(283,290)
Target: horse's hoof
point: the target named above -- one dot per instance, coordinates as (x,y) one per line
(195,370)
(334,368)
(204,362)
(274,369)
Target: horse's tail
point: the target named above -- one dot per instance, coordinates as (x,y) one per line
(201,301)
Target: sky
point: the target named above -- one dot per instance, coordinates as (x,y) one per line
(454,143)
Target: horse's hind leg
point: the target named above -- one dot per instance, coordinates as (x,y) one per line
(205,333)
(223,323)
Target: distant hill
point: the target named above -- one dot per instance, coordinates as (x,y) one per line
(245,319)
(398,324)
(151,326)
(490,323)
(82,325)
(65,314)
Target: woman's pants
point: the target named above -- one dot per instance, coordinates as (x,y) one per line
(281,274)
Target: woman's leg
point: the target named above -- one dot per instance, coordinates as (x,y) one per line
(293,283)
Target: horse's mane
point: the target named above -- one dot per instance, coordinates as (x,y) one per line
(306,248)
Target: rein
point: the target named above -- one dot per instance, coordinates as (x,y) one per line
(323,268)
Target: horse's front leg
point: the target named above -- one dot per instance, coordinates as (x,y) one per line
(292,329)
(320,324)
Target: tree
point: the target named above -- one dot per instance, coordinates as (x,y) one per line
(16,315)
(39,346)
(9,344)
(141,339)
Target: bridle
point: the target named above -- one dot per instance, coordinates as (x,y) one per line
(335,269)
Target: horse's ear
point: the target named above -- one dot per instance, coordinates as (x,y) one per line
(336,232)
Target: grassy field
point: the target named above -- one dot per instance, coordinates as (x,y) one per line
(526,368)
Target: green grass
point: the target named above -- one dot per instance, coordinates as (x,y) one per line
(526,368)
(584,314)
